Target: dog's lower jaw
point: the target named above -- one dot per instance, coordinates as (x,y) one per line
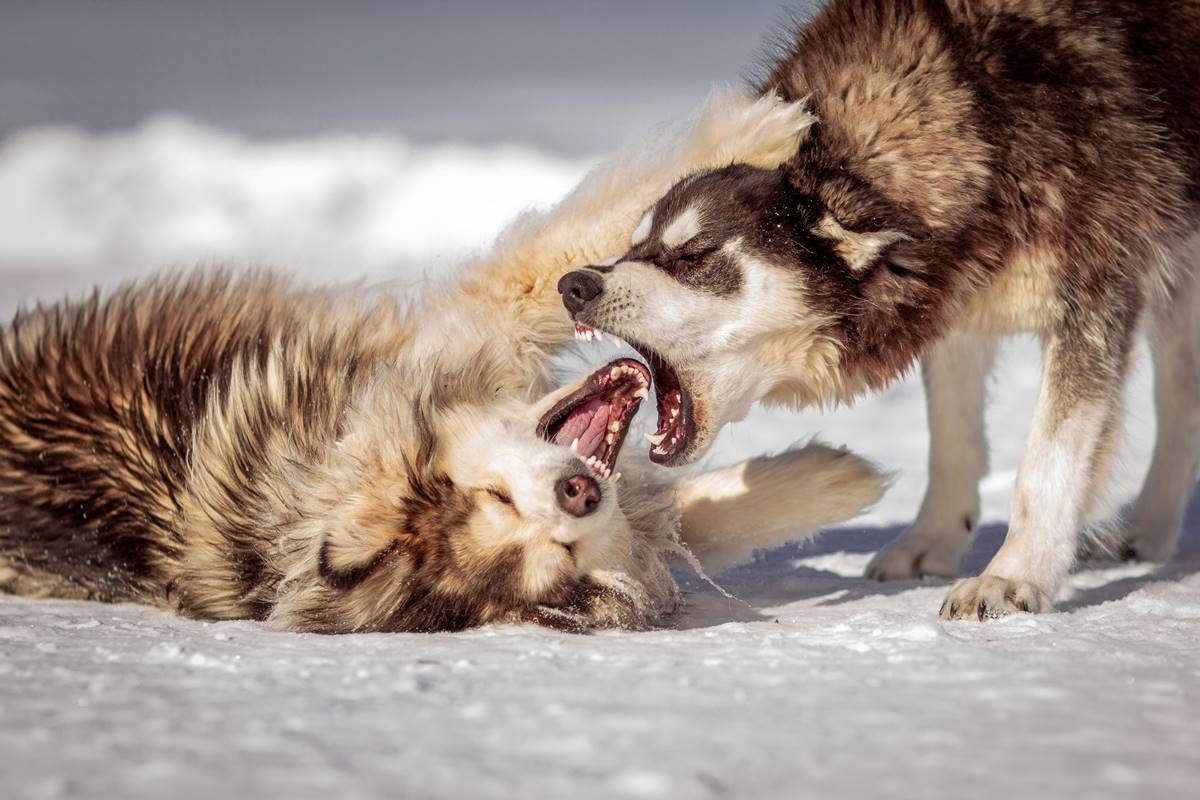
(732,389)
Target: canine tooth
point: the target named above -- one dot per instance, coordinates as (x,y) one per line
(616,477)
(614,373)
(610,438)
(655,439)
(641,394)
(575,445)
(600,336)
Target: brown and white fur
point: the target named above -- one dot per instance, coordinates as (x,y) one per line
(334,461)
(972,168)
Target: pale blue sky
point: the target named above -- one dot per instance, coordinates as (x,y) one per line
(570,76)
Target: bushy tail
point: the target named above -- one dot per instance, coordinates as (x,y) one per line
(764,502)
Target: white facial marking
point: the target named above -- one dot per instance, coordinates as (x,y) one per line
(682,229)
(642,231)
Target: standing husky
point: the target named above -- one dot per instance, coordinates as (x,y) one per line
(971,168)
(333,462)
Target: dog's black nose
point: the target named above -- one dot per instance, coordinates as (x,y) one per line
(578,495)
(578,288)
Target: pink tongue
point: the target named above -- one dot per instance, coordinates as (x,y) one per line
(588,424)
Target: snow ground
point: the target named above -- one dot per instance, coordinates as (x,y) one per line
(818,684)
(825,685)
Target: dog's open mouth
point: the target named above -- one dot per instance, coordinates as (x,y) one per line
(676,418)
(594,419)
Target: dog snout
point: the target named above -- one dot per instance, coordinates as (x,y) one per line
(578,288)
(578,495)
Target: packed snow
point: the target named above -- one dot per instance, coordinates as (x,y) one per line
(812,682)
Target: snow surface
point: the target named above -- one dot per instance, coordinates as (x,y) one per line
(814,683)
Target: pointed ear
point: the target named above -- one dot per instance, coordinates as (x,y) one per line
(858,250)
(354,547)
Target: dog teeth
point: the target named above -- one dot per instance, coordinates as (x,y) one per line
(655,439)
(616,477)
(575,445)
(609,438)
(641,394)
(615,373)
(614,426)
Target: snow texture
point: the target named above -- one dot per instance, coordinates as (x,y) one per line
(814,683)
(174,191)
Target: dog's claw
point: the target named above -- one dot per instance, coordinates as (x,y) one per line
(990,597)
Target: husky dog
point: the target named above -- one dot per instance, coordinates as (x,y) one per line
(970,168)
(332,461)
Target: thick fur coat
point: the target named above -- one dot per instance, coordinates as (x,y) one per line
(972,168)
(337,461)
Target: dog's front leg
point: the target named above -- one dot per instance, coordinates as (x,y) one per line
(1066,456)
(955,374)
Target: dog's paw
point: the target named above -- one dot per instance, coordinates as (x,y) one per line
(989,596)
(1151,540)
(912,555)
(1134,541)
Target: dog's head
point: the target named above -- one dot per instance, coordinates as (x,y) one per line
(736,287)
(459,509)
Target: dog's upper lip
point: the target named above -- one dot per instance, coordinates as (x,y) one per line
(676,430)
(596,415)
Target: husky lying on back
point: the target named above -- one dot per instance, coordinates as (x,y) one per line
(973,168)
(332,462)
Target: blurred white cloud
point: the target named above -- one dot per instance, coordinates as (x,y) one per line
(174,192)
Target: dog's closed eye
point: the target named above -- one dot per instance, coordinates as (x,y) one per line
(501,496)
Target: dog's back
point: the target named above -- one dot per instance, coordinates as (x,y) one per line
(1015,84)
(108,458)
(977,168)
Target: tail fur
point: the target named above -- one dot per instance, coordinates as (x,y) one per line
(764,502)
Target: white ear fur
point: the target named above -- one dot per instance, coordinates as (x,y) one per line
(355,544)
(353,541)
(858,250)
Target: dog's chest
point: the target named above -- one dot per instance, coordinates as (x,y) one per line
(1021,298)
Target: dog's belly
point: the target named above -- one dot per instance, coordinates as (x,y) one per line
(1020,299)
